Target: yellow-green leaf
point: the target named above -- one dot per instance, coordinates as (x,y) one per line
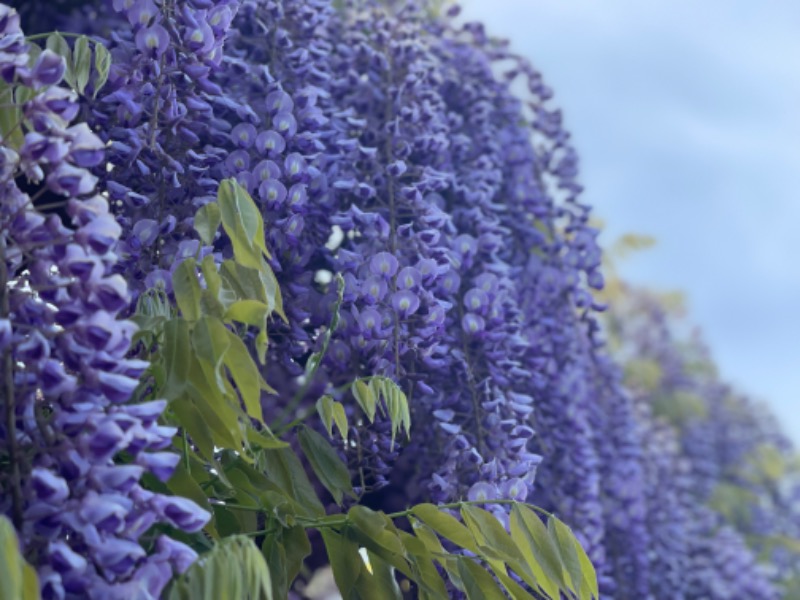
(18,580)
(206,222)
(81,63)
(187,289)
(102,63)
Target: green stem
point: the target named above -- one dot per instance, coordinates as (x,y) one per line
(300,394)
(333,522)
(283,429)
(42,36)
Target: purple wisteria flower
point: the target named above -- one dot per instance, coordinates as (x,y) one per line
(79,512)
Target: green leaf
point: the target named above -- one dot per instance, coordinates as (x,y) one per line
(206,222)
(374,527)
(565,542)
(187,289)
(249,312)
(422,564)
(284,469)
(272,290)
(10,117)
(427,536)
(340,418)
(192,421)
(488,532)
(275,554)
(30,583)
(327,465)
(515,590)
(345,561)
(211,342)
(13,574)
(446,526)
(81,63)
(325,411)
(365,398)
(587,569)
(377,581)
(235,569)
(18,580)
(176,358)
(244,283)
(478,583)
(222,418)
(102,63)
(531,537)
(332,412)
(297,546)
(397,404)
(246,376)
(242,222)
(216,297)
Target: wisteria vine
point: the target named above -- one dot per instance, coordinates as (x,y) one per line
(383,143)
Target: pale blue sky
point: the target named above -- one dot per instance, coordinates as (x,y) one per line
(687,117)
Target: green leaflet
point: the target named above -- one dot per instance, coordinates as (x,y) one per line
(206,222)
(531,537)
(187,289)
(102,63)
(365,397)
(18,580)
(345,561)
(284,469)
(563,540)
(369,390)
(235,569)
(285,551)
(243,224)
(446,526)
(327,465)
(10,117)
(478,583)
(331,411)
(81,63)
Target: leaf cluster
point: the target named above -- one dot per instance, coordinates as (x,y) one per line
(205,350)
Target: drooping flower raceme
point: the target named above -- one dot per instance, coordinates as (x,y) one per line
(67,383)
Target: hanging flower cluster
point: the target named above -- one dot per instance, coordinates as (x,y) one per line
(382,143)
(66,375)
